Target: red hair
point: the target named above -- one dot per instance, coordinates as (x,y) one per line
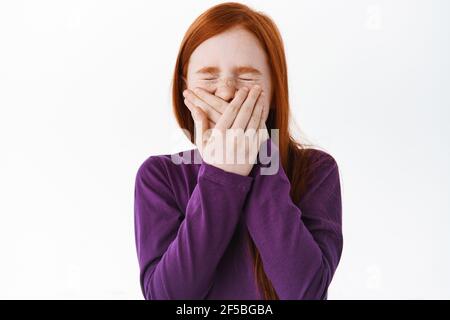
(293,155)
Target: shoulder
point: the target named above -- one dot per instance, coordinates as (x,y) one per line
(323,173)
(163,166)
(152,165)
(163,176)
(321,161)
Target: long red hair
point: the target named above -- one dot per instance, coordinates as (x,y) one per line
(294,157)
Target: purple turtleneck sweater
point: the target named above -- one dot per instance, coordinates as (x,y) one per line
(193,221)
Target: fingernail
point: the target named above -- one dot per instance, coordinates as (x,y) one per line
(245,89)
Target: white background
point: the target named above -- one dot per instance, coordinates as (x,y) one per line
(85,99)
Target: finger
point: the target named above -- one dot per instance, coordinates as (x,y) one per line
(255,118)
(190,106)
(246,110)
(227,118)
(214,101)
(265,114)
(252,132)
(263,133)
(194,100)
(201,125)
(212,116)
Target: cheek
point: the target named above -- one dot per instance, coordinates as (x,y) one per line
(267,89)
(196,84)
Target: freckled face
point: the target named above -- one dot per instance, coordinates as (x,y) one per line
(226,62)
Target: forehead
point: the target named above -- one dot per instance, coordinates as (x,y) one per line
(228,49)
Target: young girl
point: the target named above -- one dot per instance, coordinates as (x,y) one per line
(212,229)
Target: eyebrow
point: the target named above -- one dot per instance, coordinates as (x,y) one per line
(237,70)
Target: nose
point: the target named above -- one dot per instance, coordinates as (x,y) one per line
(226,90)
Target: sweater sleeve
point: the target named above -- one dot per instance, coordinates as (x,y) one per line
(178,252)
(300,248)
